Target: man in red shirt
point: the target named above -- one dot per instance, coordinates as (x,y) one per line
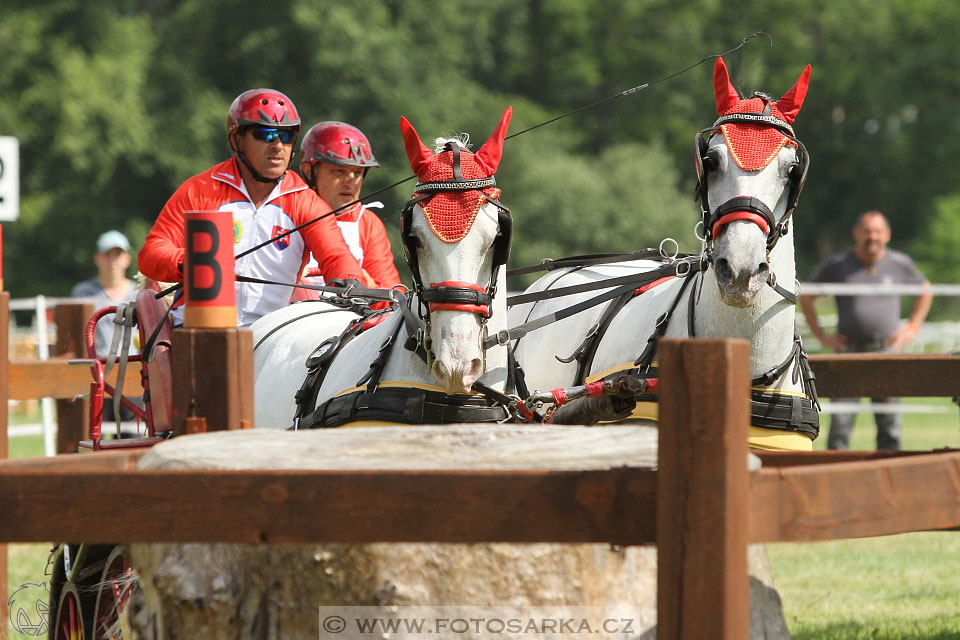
(265,200)
(334,159)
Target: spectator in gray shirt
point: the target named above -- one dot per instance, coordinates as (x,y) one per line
(868,322)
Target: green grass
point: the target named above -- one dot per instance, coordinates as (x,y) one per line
(903,587)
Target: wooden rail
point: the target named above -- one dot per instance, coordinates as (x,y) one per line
(56,378)
(850,375)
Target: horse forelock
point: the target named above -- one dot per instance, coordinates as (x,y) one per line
(462,140)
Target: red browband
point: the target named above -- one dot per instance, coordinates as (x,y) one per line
(482,309)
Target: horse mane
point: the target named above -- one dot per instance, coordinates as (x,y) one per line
(462,140)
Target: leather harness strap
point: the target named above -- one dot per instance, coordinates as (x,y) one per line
(407,405)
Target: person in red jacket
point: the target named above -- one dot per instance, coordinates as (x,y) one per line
(334,159)
(265,200)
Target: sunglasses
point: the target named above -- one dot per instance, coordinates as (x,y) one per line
(269,135)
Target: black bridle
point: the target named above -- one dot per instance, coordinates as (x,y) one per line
(762,214)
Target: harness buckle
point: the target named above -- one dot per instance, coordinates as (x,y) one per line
(685,272)
(503,337)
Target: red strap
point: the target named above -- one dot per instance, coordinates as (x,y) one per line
(375,320)
(653,384)
(595,389)
(559,397)
(481,309)
(526,413)
(733,216)
(651,285)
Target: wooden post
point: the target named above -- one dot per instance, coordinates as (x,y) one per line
(73,416)
(702,490)
(212,380)
(4,443)
(212,359)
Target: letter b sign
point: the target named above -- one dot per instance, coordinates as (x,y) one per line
(210,296)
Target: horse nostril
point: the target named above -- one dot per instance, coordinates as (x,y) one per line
(724,272)
(763,268)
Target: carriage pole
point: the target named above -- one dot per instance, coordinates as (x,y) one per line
(212,359)
(702,490)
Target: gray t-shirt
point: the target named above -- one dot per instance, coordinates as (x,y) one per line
(92,290)
(864,317)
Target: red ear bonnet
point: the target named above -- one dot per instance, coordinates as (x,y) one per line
(753,146)
(451,213)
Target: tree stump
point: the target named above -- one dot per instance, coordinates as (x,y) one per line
(274,590)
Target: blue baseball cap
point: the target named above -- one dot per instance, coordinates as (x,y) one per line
(112,239)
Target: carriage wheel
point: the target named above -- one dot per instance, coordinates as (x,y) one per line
(113,594)
(69,621)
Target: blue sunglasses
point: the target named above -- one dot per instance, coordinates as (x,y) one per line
(269,135)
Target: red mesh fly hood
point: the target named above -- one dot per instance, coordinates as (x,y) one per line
(450,214)
(754,146)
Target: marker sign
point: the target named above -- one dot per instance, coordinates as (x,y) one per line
(9,178)
(208,270)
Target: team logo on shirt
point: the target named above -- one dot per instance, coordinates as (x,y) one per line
(280,243)
(237,231)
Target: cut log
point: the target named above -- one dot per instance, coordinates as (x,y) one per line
(196,590)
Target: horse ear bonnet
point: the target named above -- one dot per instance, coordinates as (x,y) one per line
(456,183)
(753,146)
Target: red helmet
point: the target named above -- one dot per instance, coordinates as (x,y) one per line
(337,143)
(265,107)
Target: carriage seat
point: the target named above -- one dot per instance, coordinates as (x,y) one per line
(150,312)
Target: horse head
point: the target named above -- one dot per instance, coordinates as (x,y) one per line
(456,236)
(750,170)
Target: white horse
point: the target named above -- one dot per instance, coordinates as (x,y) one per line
(282,340)
(750,171)
(456,237)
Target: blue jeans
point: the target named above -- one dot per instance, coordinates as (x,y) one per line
(889,425)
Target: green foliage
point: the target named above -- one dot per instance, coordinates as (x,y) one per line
(937,251)
(117,102)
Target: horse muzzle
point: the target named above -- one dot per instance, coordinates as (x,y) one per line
(740,264)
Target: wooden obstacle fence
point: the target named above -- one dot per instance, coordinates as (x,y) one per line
(702,507)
